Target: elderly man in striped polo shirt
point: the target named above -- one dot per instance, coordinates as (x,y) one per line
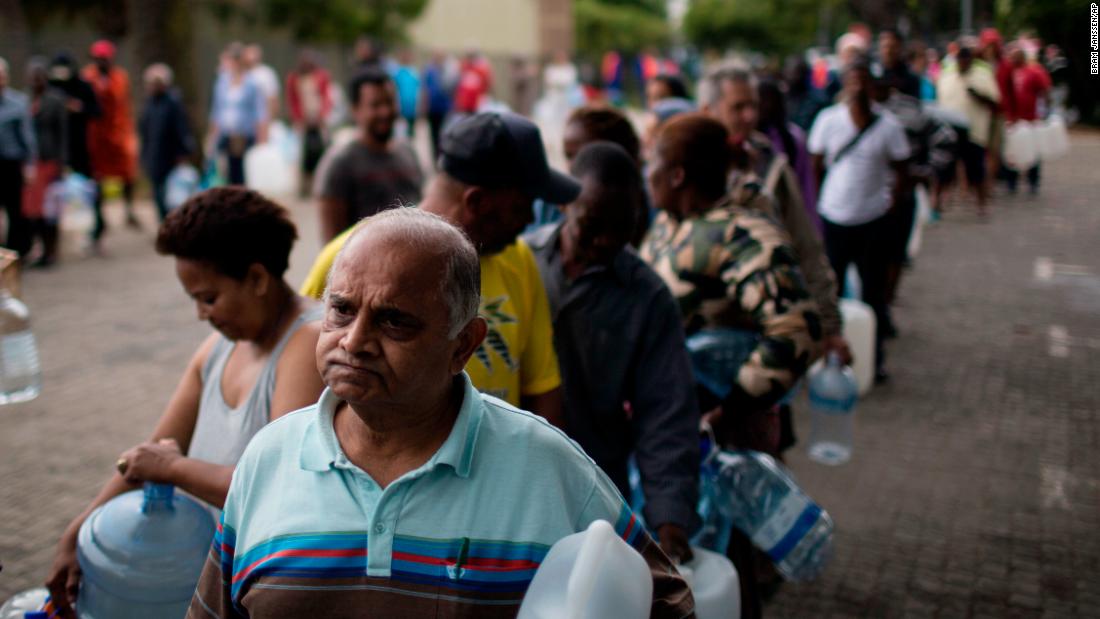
(404,492)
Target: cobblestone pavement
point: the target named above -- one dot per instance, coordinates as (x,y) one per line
(974,489)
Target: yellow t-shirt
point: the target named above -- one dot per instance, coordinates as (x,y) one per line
(517,357)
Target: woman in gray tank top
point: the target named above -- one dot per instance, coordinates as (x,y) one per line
(232,248)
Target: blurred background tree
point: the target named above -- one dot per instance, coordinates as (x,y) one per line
(626,26)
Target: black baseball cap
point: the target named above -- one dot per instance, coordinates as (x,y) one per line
(501,149)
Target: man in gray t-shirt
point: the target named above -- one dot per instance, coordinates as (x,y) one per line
(370,173)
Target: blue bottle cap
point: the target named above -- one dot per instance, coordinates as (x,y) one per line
(36,614)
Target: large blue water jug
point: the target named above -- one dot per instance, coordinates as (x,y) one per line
(141,554)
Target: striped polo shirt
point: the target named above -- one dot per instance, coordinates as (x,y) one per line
(306,533)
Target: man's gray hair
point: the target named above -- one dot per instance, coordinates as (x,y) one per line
(460,286)
(709,91)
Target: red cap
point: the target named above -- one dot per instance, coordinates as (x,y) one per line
(990,36)
(103,49)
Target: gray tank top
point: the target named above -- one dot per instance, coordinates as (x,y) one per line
(222,433)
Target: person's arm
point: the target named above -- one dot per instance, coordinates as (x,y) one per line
(213,596)
(546,405)
(812,261)
(333,208)
(665,426)
(771,291)
(297,382)
(178,423)
(26,128)
(540,379)
(815,146)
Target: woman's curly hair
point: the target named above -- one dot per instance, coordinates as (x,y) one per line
(230,228)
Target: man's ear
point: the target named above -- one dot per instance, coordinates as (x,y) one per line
(475,201)
(469,339)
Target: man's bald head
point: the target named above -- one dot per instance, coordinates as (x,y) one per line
(412,228)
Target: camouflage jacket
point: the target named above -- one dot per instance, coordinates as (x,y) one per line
(734,267)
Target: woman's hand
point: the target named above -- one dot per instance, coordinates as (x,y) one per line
(64,579)
(150,461)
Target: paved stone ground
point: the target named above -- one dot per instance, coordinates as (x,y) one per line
(973,490)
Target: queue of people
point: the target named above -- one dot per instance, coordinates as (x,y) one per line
(444,347)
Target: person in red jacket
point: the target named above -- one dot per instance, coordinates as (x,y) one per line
(309,101)
(1030,84)
(475,80)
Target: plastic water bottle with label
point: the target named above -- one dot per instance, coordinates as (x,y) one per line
(20,374)
(751,491)
(833,395)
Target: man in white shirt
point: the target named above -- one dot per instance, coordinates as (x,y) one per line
(859,156)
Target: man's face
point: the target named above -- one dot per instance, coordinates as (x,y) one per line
(964,61)
(376,111)
(737,108)
(3,77)
(574,137)
(495,217)
(889,49)
(655,90)
(384,336)
(599,223)
(857,83)
(103,63)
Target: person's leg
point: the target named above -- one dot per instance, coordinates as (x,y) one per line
(160,189)
(11,194)
(100,226)
(872,262)
(435,129)
(1033,179)
(900,229)
(838,249)
(1012,177)
(975,174)
(128,196)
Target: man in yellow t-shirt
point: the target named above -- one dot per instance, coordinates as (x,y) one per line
(491,167)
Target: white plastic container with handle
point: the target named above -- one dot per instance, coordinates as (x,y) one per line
(590,575)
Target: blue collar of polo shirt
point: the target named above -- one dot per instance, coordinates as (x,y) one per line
(320,449)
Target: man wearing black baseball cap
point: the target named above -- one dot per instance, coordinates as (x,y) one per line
(491,168)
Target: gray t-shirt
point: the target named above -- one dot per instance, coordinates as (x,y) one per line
(369,181)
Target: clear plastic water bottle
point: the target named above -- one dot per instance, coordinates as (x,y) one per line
(833,395)
(20,373)
(141,554)
(751,491)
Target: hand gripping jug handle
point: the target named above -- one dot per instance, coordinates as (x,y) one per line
(600,539)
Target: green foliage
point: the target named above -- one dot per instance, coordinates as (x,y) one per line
(342,21)
(770,26)
(327,21)
(620,25)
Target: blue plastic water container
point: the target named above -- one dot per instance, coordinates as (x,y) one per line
(141,554)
